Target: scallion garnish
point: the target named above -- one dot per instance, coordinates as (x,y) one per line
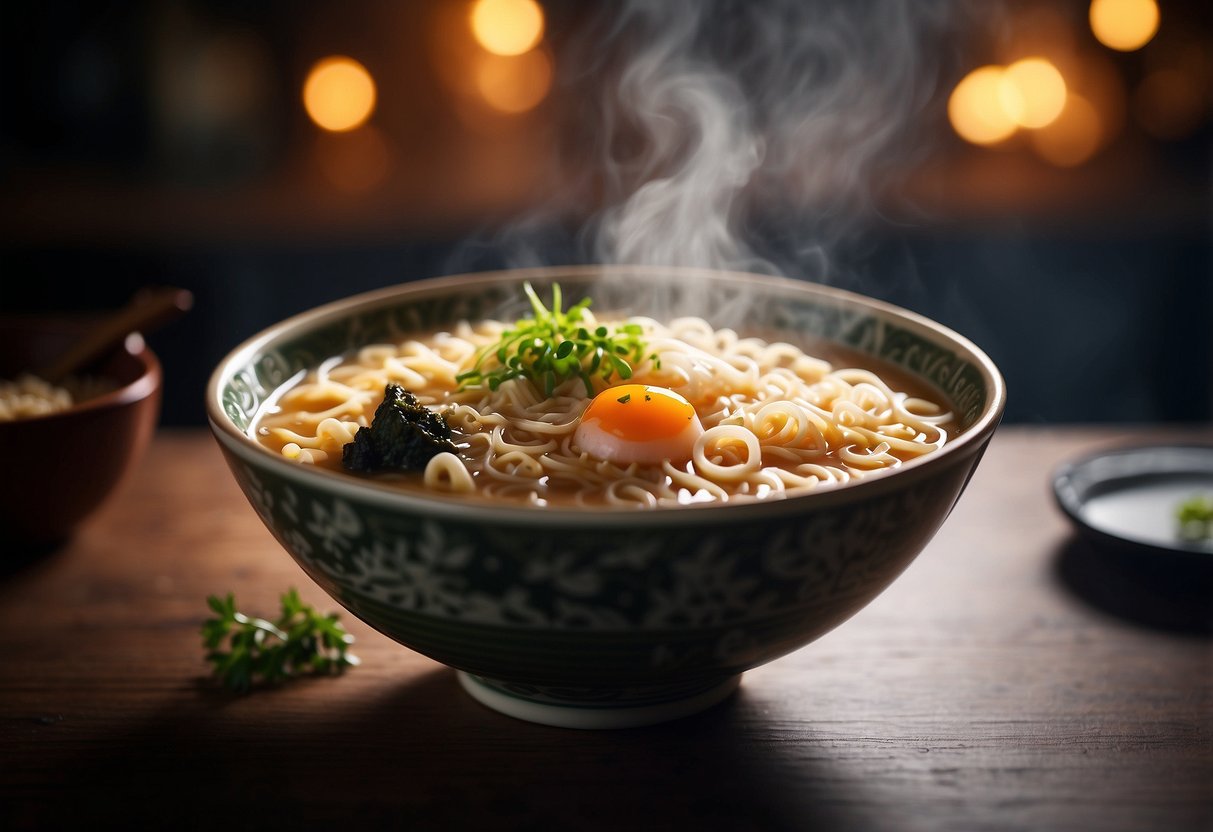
(553,346)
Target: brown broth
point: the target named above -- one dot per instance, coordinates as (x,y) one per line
(561,491)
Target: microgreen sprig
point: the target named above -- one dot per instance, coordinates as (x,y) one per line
(300,641)
(1195,516)
(553,346)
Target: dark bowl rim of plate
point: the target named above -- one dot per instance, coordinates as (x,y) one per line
(1071,498)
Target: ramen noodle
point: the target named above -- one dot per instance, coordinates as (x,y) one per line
(768,420)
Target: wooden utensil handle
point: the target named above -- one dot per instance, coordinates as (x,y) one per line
(149,309)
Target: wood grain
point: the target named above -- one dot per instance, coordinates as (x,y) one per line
(1006,681)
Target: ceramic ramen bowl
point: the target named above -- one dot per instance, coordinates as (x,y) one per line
(604,618)
(67,463)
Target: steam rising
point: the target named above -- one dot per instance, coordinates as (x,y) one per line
(748,135)
(711,125)
(697,150)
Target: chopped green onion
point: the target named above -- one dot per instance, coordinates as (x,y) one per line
(553,346)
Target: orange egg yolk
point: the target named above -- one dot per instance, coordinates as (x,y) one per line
(637,423)
(639,413)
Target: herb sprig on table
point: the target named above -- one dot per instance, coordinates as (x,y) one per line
(245,650)
(553,346)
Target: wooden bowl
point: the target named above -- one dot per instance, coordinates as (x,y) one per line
(63,465)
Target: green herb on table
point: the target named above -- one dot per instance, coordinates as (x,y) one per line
(553,346)
(245,650)
(1195,516)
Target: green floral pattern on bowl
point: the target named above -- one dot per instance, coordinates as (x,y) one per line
(576,611)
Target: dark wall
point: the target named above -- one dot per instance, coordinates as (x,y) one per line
(1085,329)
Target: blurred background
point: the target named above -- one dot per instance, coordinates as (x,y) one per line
(1036,175)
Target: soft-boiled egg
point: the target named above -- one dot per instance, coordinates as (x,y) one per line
(638,423)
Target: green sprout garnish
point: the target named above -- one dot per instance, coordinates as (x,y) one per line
(1195,516)
(299,641)
(554,346)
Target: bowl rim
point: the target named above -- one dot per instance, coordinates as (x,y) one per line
(137,389)
(971,441)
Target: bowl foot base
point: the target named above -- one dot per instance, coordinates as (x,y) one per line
(591,715)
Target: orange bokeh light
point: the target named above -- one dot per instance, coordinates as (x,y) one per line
(976,110)
(517,84)
(1073,137)
(507,27)
(1033,92)
(1124,25)
(339,94)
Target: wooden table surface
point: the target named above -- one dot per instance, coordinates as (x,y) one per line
(1008,680)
